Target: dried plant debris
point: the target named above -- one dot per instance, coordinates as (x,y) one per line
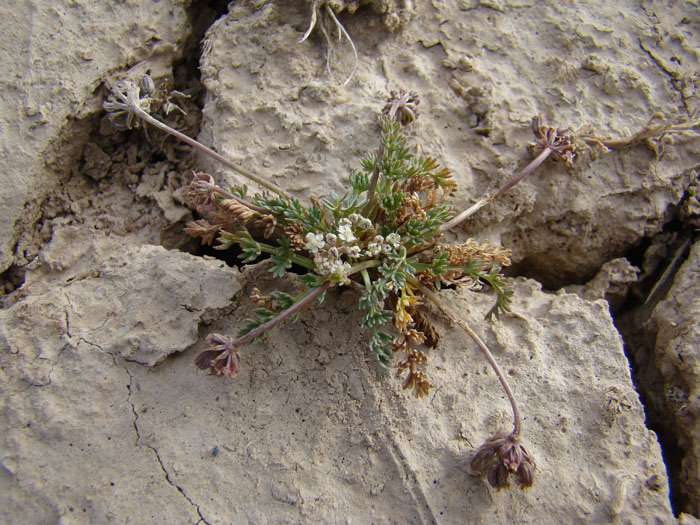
(395,13)
(382,236)
(567,145)
(324,14)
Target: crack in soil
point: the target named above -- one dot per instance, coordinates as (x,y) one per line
(166,474)
(671,74)
(640,345)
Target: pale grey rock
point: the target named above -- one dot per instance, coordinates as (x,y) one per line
(670,370)
(141,302)
(611,283)
(311,430)
(54,57)
(72,449)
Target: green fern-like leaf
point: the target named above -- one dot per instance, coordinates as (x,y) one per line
(282,259)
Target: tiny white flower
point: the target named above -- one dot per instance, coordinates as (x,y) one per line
(394,239)
(325,268)
(365,223)
(344,222)
(345,233)
(331,238)
(353,251)
(336,268)
(314,242)
(386,249)
(373,249)
(340,268)
(355,217)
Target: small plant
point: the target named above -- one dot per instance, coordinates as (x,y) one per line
(384,235)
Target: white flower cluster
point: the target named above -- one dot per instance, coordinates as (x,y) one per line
(327,252)
(381,245)
(327,249)
(362,223)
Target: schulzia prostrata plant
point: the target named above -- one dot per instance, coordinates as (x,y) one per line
(383,234)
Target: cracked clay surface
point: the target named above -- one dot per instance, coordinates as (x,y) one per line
(104,418)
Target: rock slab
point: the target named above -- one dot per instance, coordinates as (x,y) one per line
(310,430)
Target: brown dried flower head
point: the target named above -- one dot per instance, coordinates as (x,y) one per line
(402,106)
(200,191)
(222,357)
(460,254)
(202,228)
(560,141)
(502,455)
(234,211)
(418,183)
(418,381)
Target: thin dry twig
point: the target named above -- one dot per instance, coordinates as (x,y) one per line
(126,99)
(342,32)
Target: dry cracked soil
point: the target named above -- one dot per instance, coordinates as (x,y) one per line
(105,301)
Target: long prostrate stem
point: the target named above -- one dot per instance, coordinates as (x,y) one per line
(313,294)
(490,198)
(482,346)
(207,151)
(282,316)
(648,132)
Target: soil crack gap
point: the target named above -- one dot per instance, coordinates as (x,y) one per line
(635,322)
(153,449)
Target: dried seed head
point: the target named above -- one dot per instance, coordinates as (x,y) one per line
(419,382)
(418,182)
(461,254)
(433,198)
(199,191)
(416,337)
(202,228)
(400,344)
(560,141)
(295,232)
(503,455)
(402,106)
(221,358)
(124,102)
(426,277)
(411,208)
(235,211)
